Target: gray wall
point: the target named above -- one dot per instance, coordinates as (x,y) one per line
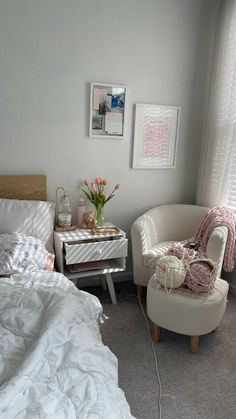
(50,50)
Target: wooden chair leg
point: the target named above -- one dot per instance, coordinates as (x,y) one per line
(193,347)
(156,333)
(141,291)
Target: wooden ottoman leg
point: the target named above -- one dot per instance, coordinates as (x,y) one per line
(193,347)
(141,291)
(156,333)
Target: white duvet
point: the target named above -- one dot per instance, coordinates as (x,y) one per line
(53,363)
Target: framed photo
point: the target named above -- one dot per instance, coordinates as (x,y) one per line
(107,110)
(97,122)
(155,136)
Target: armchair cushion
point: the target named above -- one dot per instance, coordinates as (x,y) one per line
(156,252)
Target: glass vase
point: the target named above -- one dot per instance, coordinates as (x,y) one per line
(99,215)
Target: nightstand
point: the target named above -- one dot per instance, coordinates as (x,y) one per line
(81,253)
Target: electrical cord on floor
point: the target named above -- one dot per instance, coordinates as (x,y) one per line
(154,353)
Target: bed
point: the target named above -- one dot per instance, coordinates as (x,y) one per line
(53,363)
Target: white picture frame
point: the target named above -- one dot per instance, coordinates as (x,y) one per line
(155,136)
(107,110)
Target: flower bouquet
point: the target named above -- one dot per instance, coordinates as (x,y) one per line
(96,194)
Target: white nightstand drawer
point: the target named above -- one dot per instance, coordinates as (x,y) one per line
(87,252)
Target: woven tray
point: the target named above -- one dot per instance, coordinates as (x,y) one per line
(62,229)
(98,231)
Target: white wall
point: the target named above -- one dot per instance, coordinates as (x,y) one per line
(50,50)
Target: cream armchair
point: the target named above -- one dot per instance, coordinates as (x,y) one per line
(156,230)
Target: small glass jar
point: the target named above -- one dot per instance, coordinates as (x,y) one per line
(81,210)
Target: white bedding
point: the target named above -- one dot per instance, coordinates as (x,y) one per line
(53,363)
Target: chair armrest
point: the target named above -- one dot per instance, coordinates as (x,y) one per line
(144,235)
(216,247)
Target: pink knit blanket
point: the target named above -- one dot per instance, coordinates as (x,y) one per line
(219,216)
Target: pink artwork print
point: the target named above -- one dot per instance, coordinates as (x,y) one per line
(156,137)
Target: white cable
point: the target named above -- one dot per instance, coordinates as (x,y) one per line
(154,352)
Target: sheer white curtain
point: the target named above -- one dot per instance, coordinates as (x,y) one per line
(217,174)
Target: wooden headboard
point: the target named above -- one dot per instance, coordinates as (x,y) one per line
(23,187)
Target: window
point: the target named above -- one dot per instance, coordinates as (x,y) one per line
(217,178)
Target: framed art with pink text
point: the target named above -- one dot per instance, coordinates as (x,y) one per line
(155,136)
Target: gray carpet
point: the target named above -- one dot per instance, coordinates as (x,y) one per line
(201,386)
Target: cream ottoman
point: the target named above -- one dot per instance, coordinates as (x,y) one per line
(182,311)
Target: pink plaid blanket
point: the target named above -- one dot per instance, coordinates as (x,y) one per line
(219,216)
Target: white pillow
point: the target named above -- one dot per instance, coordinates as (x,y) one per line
(34,218)
(21,253)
